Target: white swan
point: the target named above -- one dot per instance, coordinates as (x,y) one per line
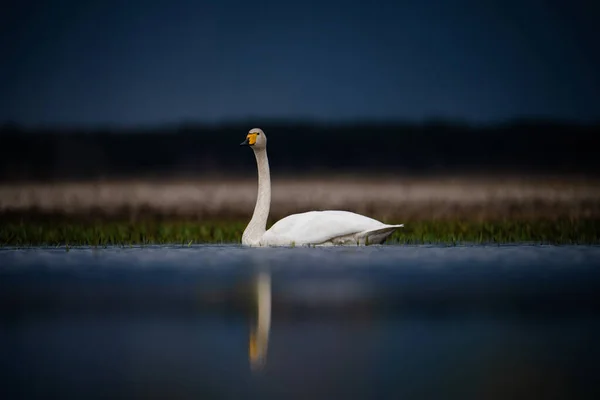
(319,228)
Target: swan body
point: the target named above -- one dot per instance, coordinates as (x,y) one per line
(327,228)
(318,228)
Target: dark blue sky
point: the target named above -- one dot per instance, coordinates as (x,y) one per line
(146,62)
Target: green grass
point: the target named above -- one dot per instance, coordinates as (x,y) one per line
(539,231)
(103,232)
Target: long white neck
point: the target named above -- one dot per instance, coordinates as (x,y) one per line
(258,224)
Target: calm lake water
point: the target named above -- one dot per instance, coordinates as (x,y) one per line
(208,322)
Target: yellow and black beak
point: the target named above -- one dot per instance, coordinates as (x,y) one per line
(250,140)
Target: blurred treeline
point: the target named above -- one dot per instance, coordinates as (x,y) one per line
(299,148)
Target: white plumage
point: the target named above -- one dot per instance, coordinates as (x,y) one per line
(319,228)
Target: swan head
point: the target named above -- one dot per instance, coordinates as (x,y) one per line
(256,139)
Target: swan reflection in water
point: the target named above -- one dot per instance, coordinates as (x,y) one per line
(259,332)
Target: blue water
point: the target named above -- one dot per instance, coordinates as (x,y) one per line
(376,322)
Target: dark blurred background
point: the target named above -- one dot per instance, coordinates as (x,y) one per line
(103,89)
(434,148)
(163,92)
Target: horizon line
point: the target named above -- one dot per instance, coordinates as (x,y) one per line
(307,121)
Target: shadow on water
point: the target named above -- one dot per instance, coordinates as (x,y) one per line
(228,322)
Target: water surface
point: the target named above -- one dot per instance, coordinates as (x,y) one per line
(359,322)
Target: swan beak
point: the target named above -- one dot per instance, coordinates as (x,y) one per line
(250,140)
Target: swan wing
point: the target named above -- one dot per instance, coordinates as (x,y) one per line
(316,227)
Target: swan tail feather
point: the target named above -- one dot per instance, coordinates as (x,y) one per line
(378,235)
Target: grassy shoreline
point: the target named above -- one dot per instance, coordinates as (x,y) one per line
(69,231)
